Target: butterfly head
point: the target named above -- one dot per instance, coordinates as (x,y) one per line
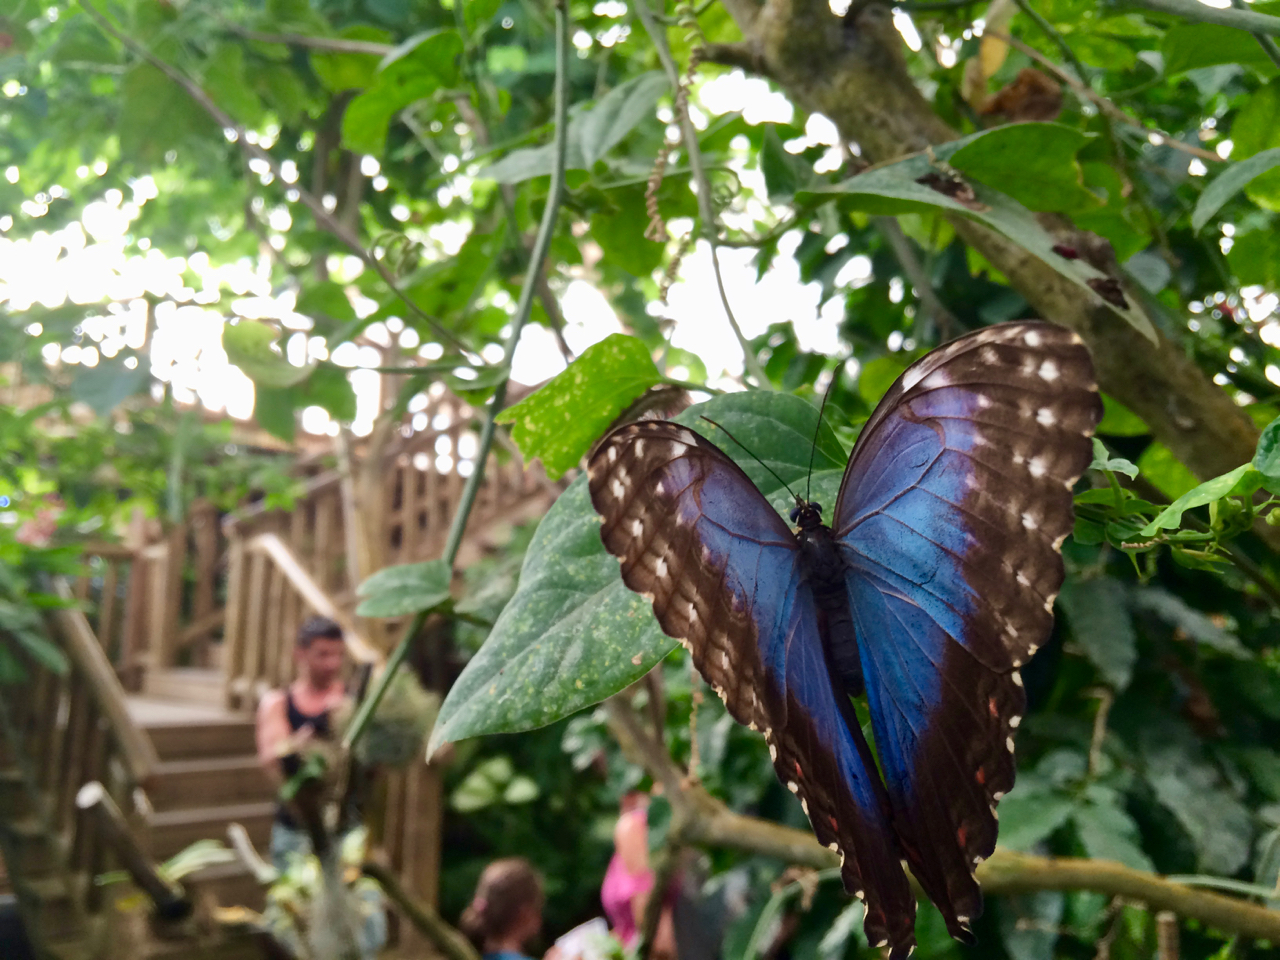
(807,514)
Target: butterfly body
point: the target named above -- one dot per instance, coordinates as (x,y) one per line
(932,584)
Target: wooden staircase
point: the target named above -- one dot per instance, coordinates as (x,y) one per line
(176,636)
(208,778)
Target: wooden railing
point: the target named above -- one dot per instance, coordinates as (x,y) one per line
(270,593)
(65,730)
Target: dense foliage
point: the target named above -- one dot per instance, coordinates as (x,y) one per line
(353,184)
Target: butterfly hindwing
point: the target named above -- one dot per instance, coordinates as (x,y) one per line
(721,568)
(952,511)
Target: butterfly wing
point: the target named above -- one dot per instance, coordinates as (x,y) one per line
(720,566)
(951,515)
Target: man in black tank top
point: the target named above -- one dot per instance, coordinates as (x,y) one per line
(290,718)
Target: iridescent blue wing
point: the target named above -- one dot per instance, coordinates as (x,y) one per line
(698,539)
(950,518)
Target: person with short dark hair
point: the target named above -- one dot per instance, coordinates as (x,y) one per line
(289,719)
(506,911)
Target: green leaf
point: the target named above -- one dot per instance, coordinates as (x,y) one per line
(1119,421)
(618,113)
(251,346)
(1196,625)
(529,162)
(1108,833)
(1263,767)
(877,376)
(784,173)
(275,409)
(1102,460)
(1227,184)
(350,71)
(1243,480)
(1099,616)
(1255,257)
(1029,924)
(1035,163)
(573,633)
(404,589)
(109,384)
(1257,130)
(895,188)
(413,71)
(1266,460)
(227,84)
(478,13)
(1029,816)
(1195,793)
(326,300)
(558,423)
(1190,46)
(329,388)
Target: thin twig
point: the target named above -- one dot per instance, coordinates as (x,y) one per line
(309,200)
(706,210)
(1101,102)
(450,941)
(326,44)
(527,292)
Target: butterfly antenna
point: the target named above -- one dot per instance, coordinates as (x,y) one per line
(813,447)
(755,458)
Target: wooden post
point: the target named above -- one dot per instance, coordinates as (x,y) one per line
(256,588)
(234,629)
(130,662)
(204,533)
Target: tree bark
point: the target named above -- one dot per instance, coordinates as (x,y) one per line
(853,71)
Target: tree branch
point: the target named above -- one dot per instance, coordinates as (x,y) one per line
(326,220)
(701,819)
(744,55)
(914,269)
(325,44)
(1197,12)
(451,942)
(1268,45)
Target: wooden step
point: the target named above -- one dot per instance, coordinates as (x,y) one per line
(174,830)
(193,741)
(192,685)
(208,782)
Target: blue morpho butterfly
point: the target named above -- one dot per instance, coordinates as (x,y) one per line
(933,584)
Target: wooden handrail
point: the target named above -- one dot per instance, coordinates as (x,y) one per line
(233,521)
(87,656)
(288,564)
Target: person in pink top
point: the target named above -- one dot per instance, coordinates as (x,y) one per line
(628,881)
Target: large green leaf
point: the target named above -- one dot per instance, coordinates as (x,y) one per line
(1108,833)
(618,113)
(1100,623)
(573,633)
(405,588)
(1190,46)
(413,71)
(1035,163)
(350,71)
(904,187)
(1196,794)
(1230,182)
(558,423)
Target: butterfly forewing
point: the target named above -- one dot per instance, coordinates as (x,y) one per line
(721,568)
(952,511)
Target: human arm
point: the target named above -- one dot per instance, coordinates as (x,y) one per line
(272,735)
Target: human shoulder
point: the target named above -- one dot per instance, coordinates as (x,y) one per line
(272,702)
